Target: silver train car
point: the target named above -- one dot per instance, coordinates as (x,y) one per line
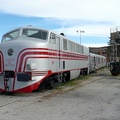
(96,62)
(32,58)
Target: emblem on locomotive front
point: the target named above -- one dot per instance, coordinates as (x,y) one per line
(10,52)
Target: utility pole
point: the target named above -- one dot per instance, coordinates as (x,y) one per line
(80,31)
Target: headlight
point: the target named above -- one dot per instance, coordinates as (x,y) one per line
(10,52)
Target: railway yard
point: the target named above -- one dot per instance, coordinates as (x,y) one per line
(97,97)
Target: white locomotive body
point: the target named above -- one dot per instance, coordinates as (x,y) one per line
(31,56)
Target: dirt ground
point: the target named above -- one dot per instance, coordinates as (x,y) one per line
(94,97)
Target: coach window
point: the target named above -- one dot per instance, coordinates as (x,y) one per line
(93,61)
(64,44)
(98,60)
(73,47)
(78,48)
(52,38)
(69,45)
(82,50)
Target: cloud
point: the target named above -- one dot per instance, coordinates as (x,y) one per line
(66,10)
(102,10)
(95,45)
(95,17)
(89,30)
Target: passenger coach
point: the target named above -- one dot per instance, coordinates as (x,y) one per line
(96,62)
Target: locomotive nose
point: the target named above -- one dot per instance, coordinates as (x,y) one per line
(9,54)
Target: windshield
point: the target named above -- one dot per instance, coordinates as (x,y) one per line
(10,36)
(34,33)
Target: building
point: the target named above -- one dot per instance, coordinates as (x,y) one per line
(114,44)
(111,52)
(101,51)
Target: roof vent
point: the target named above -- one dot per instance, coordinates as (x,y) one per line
(29,26)
(62,34)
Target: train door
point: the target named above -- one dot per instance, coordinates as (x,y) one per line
(0,64)
(59,53)
(94,62)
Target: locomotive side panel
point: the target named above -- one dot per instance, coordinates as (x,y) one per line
(74,58)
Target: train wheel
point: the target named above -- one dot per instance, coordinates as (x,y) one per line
(67,76)
(42,86)
(63,79)
(114,72)
(86,71)
(81,73)
(50,84)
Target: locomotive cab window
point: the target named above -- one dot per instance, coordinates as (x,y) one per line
(52,38)
(34,33)
(10,36)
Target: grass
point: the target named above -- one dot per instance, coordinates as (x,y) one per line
(76,81)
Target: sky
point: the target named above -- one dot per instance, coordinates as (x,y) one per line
(95,17)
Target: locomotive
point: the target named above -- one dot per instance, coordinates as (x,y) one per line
(115,68)
(31,58)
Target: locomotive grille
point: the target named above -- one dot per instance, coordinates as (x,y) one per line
(9,74)
(24,77)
